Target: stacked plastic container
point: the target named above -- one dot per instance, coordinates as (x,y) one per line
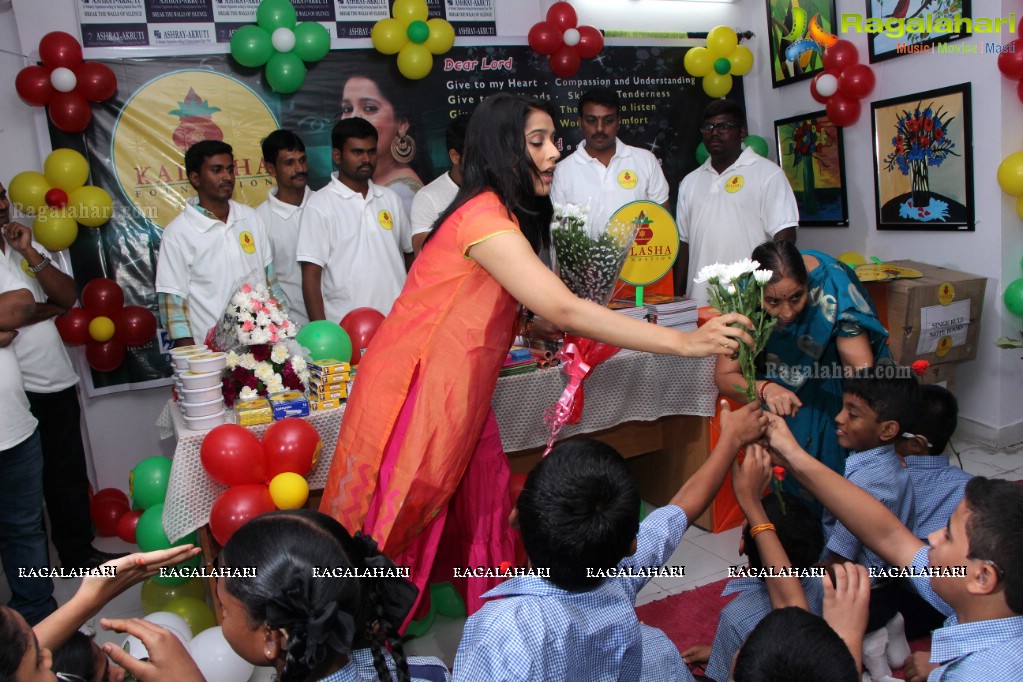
(197,373)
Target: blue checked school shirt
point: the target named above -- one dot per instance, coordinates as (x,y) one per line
(970,652)
(938,488)
(533,630)
(742,614)
(879,473)
(360,668)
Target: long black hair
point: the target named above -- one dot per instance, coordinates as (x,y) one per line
(783,259)
(324,617)
(495,159)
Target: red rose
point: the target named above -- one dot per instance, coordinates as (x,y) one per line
(920,367)
(779,473)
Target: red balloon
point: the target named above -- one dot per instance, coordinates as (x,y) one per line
(1010,60)
(562,16)
(839,56)
(73,326)
(33,85)
(60,49)
(102,296)
(70,111)
(856,81)
(236,506)
(361,325)
(106,512)
(96,81)
(111,493)
(232,455)
(56,198)
(813,89)
(565,62)
(106,356)
(843,111)
(291,444)
(591,42)
(543,38)
(126,525)
(134,325)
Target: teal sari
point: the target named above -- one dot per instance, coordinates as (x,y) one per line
(803,356)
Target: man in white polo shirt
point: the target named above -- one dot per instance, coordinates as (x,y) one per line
(736,200)
(285,159)
(433,199)
(210,250)
(354,238)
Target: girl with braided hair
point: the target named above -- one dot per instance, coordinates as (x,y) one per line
(296,615)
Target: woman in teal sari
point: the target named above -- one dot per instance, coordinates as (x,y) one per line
(827,329)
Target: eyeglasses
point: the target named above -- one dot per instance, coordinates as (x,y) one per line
(70,677)
(724,127)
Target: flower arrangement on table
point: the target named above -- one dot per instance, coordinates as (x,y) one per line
(262,357)
(739,288)
(588,262)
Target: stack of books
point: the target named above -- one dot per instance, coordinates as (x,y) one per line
(519,361)
(678,312)
(628,307)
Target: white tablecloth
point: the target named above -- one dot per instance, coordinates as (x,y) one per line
(628,387)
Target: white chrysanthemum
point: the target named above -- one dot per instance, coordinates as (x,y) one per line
(303,375)
(274,386)
(248,393)
(731,289)
(734,271)
(238,299)
(279,353)
(247,361)
(710,273)
(262,319)
(264,371)
(763,276)
(232,359)
(298,364)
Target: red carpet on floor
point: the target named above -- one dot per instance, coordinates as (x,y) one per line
(691,617)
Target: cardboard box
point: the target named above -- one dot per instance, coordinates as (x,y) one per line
(942,375)
(936,317)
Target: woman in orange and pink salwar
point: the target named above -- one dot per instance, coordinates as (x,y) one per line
(419,464)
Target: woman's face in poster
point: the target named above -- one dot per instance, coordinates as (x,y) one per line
(362,98)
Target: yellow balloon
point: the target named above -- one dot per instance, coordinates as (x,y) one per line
(407,11)
(442,36)
(54,229)
(414,61)
(28,191)
(698,61)
(852,259)
(91,206)
(717,85)
(66,168)
(101,328)
(721,41)
(742,60)
(388,36)
(289,490)
(1010,174)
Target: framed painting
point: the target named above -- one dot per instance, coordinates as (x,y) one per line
(811,154)
(923,160)
(796,29)
(917,26)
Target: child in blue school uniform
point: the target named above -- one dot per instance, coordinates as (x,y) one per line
(578,514)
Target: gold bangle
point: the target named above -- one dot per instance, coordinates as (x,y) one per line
(761,528)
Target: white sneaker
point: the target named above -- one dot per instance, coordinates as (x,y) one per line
(874,660)
(897,650)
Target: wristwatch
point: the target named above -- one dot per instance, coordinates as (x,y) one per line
(41,266)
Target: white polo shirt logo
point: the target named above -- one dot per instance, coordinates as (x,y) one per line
(734,184)
(248,244)
(385,220)
(627,179)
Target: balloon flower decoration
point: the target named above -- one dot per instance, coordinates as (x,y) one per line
(105,325)
(843,83)
(233,456)
(722,58)
(1010,178)
(59,199)
(411,35)
(565,42)
(284,46)
(65,83)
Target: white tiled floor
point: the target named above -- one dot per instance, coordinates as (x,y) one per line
(706,557)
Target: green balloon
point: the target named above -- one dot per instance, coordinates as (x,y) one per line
(274,14)
(701,153)
(150,535)
(312,41)
(155,595)
(285,72)
(758,144)
(251,46)
(1013,297)
(325,340)
(148,481)
(722,65)
(195,612)
(177,580)
(418,32)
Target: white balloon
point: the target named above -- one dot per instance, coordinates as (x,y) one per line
(172,622)
(827,85)
(216,659)
(283,39)
(571,37)
(134,646)
(63,79)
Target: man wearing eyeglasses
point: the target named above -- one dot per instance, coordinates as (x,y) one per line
(736,200)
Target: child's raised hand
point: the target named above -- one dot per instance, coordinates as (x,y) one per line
(780,438)
(751,476)
(746,424)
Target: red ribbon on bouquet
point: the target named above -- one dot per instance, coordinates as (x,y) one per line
(579,356)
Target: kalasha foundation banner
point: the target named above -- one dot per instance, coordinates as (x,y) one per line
(137,140)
